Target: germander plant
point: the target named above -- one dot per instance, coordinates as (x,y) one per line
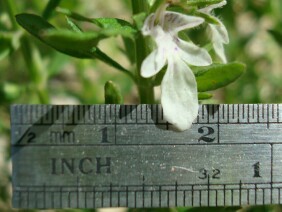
(165,52)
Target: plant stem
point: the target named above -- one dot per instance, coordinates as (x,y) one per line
(108,60)
(145,86)
(37,75)
(11,8)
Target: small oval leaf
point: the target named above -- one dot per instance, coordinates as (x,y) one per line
(72,43)
(219,75)
(204,96)
(208,18)
(139,20)
(112,94)
(109,26)
(68,42)
(114,27)
(34,24)
(80,45)
(9,92)
(202,3)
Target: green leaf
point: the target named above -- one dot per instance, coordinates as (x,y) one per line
(110,26)
(75,44)
(52,4)
(114,27)
(191,7)
(112,94)
(208,18)
(139,20)
(202,3)
(71,43)
(204,96)
(186,9)
(80,45)
(219,75)
(34,24)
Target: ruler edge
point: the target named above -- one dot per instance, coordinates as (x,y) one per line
(157,109)
(279,108)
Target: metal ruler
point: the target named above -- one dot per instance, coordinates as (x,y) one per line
(93,156)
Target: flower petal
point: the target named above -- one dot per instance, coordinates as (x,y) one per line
(179,94)
(148,25)
(219,32)
(176,22)
(219,37)
(193,54)
(153,63)
(219,50)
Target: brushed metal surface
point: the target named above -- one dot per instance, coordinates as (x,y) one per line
(128,156)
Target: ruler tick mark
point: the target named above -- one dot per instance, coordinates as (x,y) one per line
(94,197)
(126,197)
(240,193)
(200,198)
(118,198)
(184,198)
(216,198)
(176,197)
(279,195)
(192,196)
(160,196)
(263,196)
(208,190)
(232,197)
(111,191)
(271,174)
(167,199)
(224,194)
(255,193)
(152,199)
(143,192)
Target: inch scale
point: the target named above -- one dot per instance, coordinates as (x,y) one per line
(94,156)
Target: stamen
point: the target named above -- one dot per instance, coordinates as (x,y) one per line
(152,24)
(160,15)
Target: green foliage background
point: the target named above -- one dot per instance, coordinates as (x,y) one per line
(32,73)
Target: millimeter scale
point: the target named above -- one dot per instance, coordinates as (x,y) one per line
(94,156)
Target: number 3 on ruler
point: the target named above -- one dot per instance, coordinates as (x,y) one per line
(215,174)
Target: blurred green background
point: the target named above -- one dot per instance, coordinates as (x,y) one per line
(33,73)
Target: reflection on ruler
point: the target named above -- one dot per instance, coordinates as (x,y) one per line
(94,156)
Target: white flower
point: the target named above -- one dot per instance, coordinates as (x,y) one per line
(219,32)
(179,88)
